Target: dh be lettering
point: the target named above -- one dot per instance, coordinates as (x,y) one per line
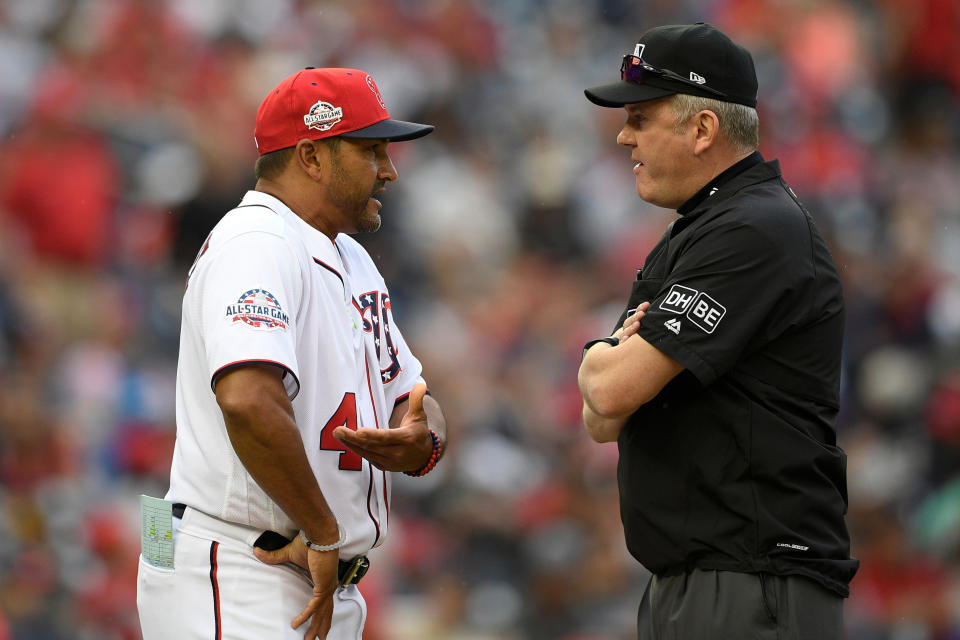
(708,314)
(678,299)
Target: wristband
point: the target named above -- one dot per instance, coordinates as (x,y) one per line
(432,462)
(610,340)
(325,547)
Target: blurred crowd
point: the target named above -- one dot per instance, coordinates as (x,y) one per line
(510,239)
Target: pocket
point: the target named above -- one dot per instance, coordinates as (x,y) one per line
(147,569)
(157,597)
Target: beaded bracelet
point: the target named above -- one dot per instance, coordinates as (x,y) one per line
(432,462)
(342,539)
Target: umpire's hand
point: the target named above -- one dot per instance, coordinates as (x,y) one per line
(632,323)
(322,567)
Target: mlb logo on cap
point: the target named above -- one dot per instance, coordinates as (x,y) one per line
(322,103)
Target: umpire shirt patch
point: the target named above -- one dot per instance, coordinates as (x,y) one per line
(678,299)
(706,313)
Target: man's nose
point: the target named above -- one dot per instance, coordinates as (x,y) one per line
(387,171)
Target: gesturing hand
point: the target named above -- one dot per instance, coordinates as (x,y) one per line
(407,447)
(322,567)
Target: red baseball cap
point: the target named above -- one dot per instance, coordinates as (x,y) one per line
(322,103)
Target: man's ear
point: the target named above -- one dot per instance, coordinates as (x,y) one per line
(313,157)
(707,130)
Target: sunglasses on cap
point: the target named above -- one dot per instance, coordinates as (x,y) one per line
(634,69)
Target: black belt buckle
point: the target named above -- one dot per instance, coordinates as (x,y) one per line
(352,570)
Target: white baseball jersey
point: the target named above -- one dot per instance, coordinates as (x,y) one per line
(268,288)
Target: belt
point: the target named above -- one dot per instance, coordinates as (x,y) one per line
(348,571)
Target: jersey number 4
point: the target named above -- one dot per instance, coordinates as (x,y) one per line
(344,416)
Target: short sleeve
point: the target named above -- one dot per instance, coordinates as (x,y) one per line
(249,292)
(730,288)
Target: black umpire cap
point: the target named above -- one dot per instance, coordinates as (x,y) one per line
(697,59)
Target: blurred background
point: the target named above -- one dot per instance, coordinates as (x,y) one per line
(511,238)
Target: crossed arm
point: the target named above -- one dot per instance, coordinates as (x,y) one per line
(616,381)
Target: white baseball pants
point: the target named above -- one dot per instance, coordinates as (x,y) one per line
(218,590)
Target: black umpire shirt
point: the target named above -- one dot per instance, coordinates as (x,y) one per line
(734,465)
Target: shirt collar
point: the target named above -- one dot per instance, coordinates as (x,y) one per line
(277,205)
(264,199)
(714,185)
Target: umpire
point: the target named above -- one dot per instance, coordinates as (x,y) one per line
(721,382)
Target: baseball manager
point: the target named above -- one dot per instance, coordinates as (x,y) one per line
(721,381)
(296,392)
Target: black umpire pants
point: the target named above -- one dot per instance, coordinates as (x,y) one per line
(726,605)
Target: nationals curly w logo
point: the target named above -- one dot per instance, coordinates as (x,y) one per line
(375,310)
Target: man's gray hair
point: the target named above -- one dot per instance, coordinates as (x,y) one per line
(738,122)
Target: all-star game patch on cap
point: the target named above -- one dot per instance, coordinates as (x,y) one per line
(322,103)
(697,59)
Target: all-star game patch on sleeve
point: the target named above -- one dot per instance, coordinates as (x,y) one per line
(251,293)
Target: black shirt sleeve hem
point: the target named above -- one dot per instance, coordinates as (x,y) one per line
(680,352)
